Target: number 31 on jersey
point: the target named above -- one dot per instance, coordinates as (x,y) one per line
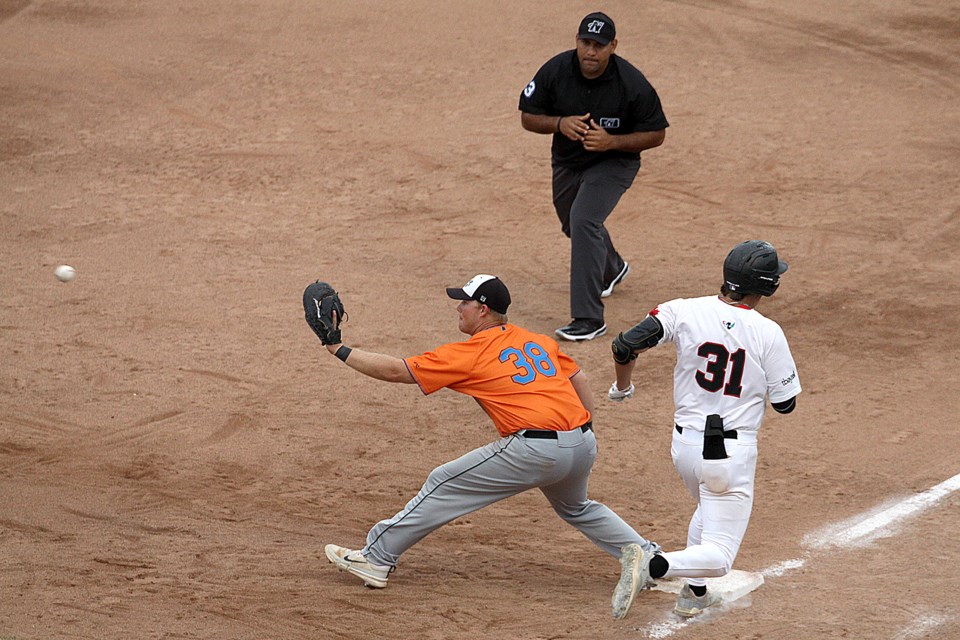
(718,358)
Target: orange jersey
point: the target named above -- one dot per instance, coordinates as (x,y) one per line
(520,378)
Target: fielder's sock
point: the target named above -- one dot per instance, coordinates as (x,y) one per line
(658,566)
(698,591)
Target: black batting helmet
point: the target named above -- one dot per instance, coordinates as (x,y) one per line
(753,267)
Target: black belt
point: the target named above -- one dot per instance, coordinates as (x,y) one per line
(729,435)
(551,435)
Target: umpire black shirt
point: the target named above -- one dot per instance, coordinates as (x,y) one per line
(621,101)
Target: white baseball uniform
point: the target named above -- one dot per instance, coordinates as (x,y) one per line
(730,360)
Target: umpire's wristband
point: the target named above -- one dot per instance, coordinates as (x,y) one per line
(343,352)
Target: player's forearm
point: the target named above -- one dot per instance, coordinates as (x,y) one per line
(638,140)
(624,374)
(539,123)
(376,365)
(582,386)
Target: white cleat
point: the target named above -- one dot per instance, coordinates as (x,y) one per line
(634,577)
(689,604)
(373,575)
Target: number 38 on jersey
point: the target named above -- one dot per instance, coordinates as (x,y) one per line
(530,362)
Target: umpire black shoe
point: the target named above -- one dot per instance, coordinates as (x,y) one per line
(617,280)
(582,329)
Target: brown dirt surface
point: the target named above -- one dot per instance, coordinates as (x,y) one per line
(176,447)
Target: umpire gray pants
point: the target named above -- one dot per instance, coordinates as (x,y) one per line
(583,198)
(559,468)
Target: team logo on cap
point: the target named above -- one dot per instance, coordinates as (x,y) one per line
(595,26)
(530,89)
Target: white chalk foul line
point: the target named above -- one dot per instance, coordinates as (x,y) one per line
(923,626)
(777,570)
(880,524)
(853,532)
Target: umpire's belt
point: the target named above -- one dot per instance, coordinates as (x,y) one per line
(729,435)
(549,435)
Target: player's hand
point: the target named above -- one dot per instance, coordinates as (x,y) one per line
(596,138)
(618,395)
(575,127)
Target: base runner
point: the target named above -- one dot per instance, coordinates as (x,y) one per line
(730,360)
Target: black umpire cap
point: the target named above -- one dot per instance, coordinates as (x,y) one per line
(597,26)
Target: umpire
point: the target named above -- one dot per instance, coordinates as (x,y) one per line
(602,112)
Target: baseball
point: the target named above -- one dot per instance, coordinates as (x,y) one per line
(65,273)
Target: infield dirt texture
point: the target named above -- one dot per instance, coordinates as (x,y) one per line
(175,445)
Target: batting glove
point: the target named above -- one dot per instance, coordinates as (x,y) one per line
(618,395)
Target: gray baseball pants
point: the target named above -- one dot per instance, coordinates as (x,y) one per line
(583,198)
(559,468)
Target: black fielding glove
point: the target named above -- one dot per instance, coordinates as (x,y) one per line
(324,311)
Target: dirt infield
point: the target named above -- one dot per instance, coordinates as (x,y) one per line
(175,446)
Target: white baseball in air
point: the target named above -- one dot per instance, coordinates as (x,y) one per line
(65,273)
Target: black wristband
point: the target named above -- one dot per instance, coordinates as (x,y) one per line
(558,123)
(343,352)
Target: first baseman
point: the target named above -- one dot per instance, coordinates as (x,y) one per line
(730,360)
(539,401)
